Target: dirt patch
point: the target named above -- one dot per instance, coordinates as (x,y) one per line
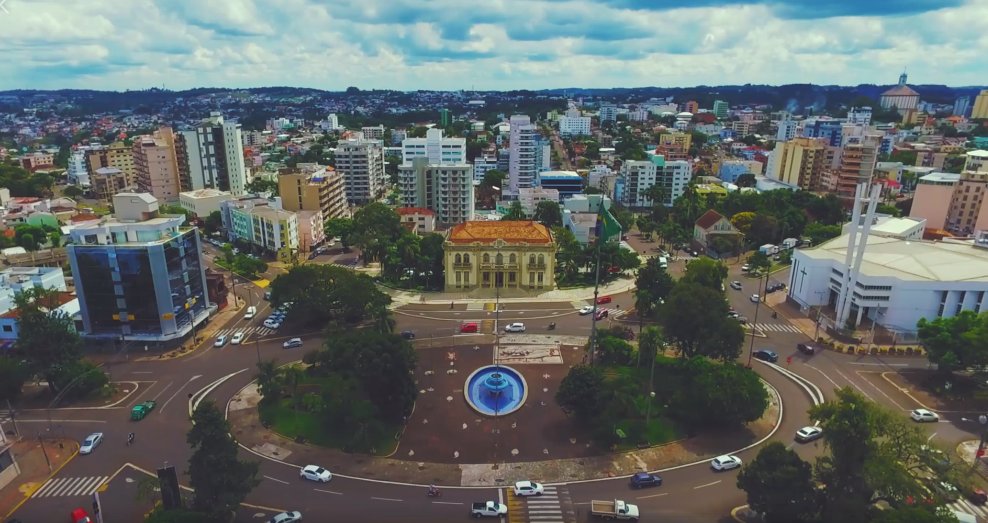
(39,396)
(930,388)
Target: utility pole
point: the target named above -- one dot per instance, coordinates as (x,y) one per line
(596,291)
(754,323)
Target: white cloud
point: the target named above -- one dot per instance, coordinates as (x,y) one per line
(506,44)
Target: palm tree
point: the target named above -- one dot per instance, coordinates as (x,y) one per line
(268,381)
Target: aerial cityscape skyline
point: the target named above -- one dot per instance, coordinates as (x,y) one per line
(510,44)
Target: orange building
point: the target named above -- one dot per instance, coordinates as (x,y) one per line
(518,255)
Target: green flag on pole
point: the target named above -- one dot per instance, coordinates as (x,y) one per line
(607,225)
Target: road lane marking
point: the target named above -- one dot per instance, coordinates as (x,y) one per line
(707,485)
(447,503)
(904,390)
(854,383)
(197,376)
(142,372)
(653,496)
(276,479)
(329,491)
(158,395)
(387,499)
(880,391)
(882,364)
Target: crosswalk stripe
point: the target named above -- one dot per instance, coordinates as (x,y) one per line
(74,486)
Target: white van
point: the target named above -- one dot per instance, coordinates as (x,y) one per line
(251,312)
(663,262)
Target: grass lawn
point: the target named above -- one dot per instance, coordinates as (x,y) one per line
(659,430)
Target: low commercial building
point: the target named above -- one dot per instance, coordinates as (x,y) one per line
(315,188)
(568,183)
(311,230)
(417,219)
(518,256)
(900,281)
(203,202)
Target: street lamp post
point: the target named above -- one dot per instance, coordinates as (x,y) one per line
(648,410)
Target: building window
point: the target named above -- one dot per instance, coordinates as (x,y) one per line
(541,260)
(459,278)
(487,258)
(500,259)
(466,258)
(512,258)
(466,279)
(541,278)
(943,303)
(458,260)
(8,328)
(511,278)
(531,259)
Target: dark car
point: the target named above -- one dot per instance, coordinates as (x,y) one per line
(977,496)
(766,355)
(408,335)
(806,348)
(644,479)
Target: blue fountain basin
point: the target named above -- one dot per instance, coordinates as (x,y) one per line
(495,390)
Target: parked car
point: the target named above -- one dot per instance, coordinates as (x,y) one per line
(514,327)
(725,462)
(408,335)
(755,298)
(806,348)
(586,309)
(736,285)
(766,355)
(238,337)
(746,267)
(91,442)
(287,517)
(807,434)
(603,299)
(528,488)
(272,324)
(315,473)
(644,479)
(469,327)
(924,415)
(292,343)
(220,341)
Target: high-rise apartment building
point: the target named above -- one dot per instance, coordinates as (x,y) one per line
(375,132)
(638,176)
(956,202)
(361,162)
(962,106)
(787,129)
(77,173)
(156,165)
(320,189)
(445,189)
(117,155)
(859,116)
(857,164)
(800,162)
(980,109)
(138,274)
(573,124)
(608,112)
(215,154)
(523,164)
(482,164)
(435,148)
(721,109)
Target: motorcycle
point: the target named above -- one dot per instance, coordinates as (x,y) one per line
(434,493)
(552,326)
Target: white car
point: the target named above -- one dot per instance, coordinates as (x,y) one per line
(586,309)
(746,267)
(237,338)
(271,324)
(315,473)
(807,434)
(91,442)
(922,415)
(726,462)
(514,327)
(292,343)
(287,517)
(528,488)
(755,298)
(220,341)
(736,285)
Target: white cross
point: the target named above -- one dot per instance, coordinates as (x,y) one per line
(3,7)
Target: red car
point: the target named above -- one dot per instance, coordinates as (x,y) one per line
(603,299)
(601,314)
(80,516)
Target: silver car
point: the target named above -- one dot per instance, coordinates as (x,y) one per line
(91,442)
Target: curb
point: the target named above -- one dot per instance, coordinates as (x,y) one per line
(30,492)
(737,510)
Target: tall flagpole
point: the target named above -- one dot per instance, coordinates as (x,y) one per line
(596,285)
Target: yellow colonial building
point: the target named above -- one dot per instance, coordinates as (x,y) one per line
(509,255)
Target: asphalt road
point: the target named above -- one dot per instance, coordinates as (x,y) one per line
(691,493)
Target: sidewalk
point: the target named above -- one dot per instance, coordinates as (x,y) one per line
(34,469)
(402,297)
(204,335)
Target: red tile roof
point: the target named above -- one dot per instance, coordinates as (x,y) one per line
(521,231)
(708,219)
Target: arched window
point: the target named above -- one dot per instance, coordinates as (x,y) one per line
(458,259)
(512,258)
(487,258)
(466,258)
(531,259)
(541,259)
(500,259)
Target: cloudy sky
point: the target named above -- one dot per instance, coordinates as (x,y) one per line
(487,44)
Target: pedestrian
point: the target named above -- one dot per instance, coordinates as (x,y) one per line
(451,305)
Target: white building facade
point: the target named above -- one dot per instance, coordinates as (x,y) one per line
(523,166)
(437,149)
(574,125)
(640,175)
(216,156)
(362,163)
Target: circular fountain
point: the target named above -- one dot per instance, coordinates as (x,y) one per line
(495,390)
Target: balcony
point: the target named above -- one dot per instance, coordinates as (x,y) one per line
(462,265)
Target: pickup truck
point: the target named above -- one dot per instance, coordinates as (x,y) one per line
(616,509)
(488,509)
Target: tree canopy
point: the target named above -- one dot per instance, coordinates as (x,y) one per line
(779,485)
(221,480)
(324,294)
(695,319)
(956,342)
(548,213)
(375,227)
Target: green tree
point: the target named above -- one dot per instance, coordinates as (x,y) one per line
(579,392)
(570,255)
(72,191)
(719,394)
(650,343)
(656,194)
(47,338)
(956,342)
(819,233)
(515,212)
(694,316)
(614,351)
(262,185)
(764,229)
(13,375)
(181,515)
(327,294)
(652,285)
(214,222)
(268,381)
(431,259)
(745,180)
(916,514)
(707,272)
(779,485)
(375,227)
(548,213)
(742,221)
(341,228)
(758,262)
(221,481)
(888,209)
(382,364)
